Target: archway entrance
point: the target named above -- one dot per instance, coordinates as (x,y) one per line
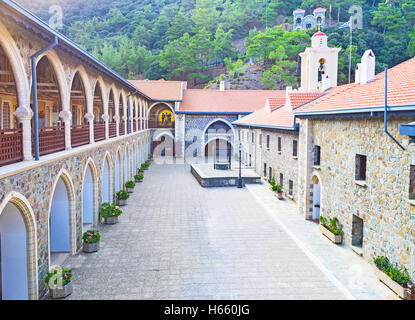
(99,124)
(316,198)
(126,161)
(117,173)
(88,200)
(9,128)
(59,224)
(80,126)
(13,255)
(106,182)
(161,116)
(163,146)
(218,150)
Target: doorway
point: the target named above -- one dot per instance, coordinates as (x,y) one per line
(316,199)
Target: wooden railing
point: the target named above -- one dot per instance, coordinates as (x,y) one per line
(155,124)
(122,128)
(99,131)
(51,139)
(79,135)
(11,146)
(112,129)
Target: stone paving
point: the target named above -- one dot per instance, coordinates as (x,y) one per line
(355,274)
(177,240)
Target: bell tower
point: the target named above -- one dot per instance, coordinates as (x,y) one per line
(319,65)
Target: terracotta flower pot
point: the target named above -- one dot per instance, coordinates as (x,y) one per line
(59,293)
(279,195)
(111,220)
(90,247)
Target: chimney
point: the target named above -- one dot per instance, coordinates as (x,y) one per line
(222,85)
(288,90)
(367,71)
(357,74)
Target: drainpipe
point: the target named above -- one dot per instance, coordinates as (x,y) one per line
(386,111)
(34,87)
(128,111)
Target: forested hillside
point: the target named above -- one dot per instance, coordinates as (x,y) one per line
(182,39)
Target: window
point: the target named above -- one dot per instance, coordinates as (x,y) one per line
(295,146)
(357,231)
(250,160)
(360,173)
(281,179)
(260,140)
(270,172)
(265,169)
(290,187)
(412,183)
(253,137)
(267,141)
(316,155)
(279,144)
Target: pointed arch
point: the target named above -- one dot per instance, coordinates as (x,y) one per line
(19,72)
(64,176)
(90,165)
(219,120)
(59,71)
(107,178)
(27,214)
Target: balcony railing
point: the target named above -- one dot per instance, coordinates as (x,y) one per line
(156,124)
(134,126)
(122,128)
(51,139)
(112,129)
(79,135)
(11,146)
(99,131)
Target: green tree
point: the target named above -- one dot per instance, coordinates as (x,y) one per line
(180,25)
(222,44)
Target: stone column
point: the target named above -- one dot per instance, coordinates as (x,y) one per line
(141,115)
(179,135)
(90,117)
(105,117)
(124,118)
(117,122)
(24,116)
(66,117)
(305,169)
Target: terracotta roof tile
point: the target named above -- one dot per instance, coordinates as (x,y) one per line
(161,90)
(228,101)
(401,92)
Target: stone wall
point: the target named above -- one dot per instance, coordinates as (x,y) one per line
(382,201)
(36,183)
(280,162)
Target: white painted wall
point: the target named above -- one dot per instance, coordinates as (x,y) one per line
(59,219)
(106,182)
(13,254)
(88,197)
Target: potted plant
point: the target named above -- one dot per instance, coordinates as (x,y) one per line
(331,229)
(394,276)
(278,191)
(110,212)
(150,158)
(58,280)
(91,241)
(145,166)
(139,178)
(140,170)
(130,185)
(122,197)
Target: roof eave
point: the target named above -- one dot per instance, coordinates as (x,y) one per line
(355,111)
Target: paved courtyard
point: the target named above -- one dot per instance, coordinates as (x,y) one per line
(177,240)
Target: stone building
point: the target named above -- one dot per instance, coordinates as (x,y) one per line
(270,138)
(304,21)
(356,164)
(72,132)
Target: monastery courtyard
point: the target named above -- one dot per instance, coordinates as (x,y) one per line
(177,240)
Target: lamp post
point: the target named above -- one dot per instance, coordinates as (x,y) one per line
(240,165)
